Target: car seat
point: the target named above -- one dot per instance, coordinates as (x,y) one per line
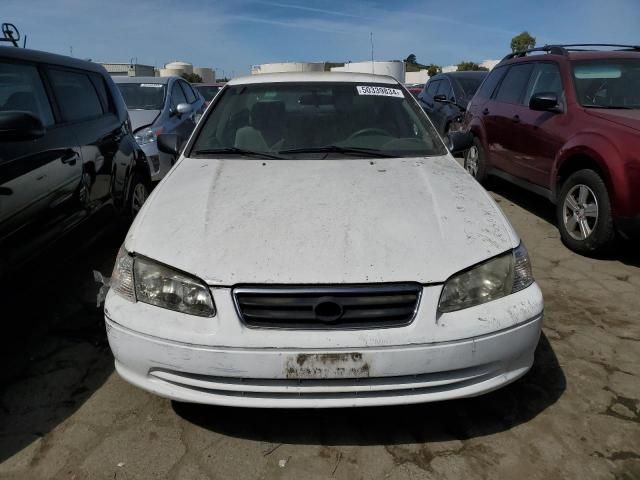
(267,119)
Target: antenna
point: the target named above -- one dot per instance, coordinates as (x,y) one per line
(372,64)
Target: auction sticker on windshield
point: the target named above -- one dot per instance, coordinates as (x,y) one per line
(151,85)
(381,91)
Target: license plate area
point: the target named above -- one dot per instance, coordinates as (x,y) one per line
(325,366)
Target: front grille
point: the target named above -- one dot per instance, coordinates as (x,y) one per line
(343,307)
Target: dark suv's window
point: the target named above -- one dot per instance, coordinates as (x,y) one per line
(445,89)
(21,89)
(191,97)
(76,95)
(491,82)
(177,95)
(432,88)
(512,88)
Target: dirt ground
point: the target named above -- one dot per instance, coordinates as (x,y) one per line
(65,413)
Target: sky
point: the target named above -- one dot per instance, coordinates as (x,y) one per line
(232,35)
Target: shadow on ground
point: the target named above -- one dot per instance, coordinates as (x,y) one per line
(625,251)
(53,348)
(460,419)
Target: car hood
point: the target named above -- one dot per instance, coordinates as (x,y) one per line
(628,118)
(142,118)
(232,221)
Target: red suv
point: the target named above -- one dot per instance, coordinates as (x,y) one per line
(565,123)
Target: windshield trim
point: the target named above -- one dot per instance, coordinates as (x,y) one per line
(413,103)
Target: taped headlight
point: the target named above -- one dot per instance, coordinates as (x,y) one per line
(122,276)
(147,281)
(490,280)
(165,287)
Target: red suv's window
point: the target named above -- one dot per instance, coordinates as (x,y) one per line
(545,79)
(515,81)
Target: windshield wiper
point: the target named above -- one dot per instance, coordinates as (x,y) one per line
(613,107)
(370,152)
(235,151)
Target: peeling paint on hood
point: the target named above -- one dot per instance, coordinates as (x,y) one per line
(232,221)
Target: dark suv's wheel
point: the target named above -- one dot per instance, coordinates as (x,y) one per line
(584,213)
(138,193)
(475,161)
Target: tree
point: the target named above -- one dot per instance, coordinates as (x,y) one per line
(471,66)
(192,77)
(522,41)
(433,70)
(411,59)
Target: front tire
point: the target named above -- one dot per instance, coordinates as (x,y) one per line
(584,213)
(475,161)
(138,194)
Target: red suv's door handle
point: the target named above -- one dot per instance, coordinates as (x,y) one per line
(485,111)
(516,119)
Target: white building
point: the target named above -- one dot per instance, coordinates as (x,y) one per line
(177,68)
(286,67)
(419,77)
(392,68)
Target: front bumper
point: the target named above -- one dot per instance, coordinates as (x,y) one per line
(366,374)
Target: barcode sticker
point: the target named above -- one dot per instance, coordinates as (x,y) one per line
(380,91)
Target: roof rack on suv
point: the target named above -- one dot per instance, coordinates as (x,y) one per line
(565,49)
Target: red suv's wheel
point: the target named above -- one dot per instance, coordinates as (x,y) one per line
(584,213)
(475,161)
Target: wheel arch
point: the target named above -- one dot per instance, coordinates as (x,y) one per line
(587,151)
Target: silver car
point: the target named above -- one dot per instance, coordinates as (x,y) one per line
(160,105)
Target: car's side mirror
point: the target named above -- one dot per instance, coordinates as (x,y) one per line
(18,126)
(544,102)
(458,141)
(170,143)
(183,109)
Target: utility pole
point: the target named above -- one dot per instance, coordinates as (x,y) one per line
(71,50)
(372,64)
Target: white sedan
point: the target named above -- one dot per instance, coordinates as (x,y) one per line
(316,245)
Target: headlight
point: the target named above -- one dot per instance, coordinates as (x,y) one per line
(147,135)
(142,279)
(495,278)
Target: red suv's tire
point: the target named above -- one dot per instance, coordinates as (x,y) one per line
(475,161)
(584,213)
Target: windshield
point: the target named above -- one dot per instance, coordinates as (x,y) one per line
(143,96)
(208,91)
(608,83)
(311,120)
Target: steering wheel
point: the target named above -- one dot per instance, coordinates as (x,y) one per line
(369,131)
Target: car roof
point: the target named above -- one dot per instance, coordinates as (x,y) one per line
(299,77)
(38,56)
(480,74)
(124,79)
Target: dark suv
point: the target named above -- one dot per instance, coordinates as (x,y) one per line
(446,95)
(564,122)
(66,149)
